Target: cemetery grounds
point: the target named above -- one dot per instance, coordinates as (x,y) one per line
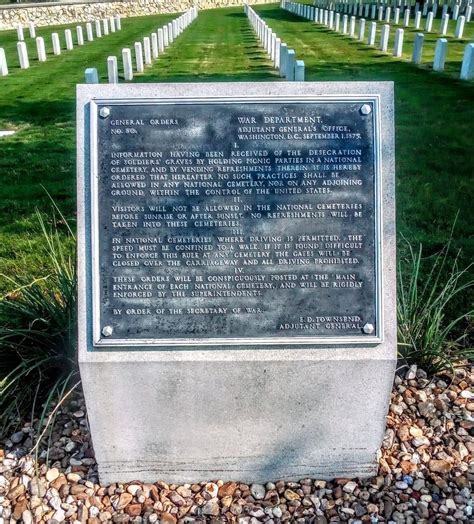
(434,167)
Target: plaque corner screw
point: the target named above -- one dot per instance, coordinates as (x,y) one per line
(104,112)
(368,328)
(107,331)
(366,109)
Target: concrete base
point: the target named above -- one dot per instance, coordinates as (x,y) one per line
(258,419)
(255,414)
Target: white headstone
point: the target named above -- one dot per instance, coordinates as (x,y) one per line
(388,13)
(118,22)
(443,28)
(337,22)
(429,22)
(112,24)
(417,20)
(273,47)
(276,62)
(68,35)
(290,64)
(299,71)
(161,44)
(440,54)
(384,34)
(166,39)
(91,75)
(170,33)
(362,29)
(406,17)
(127,64)
(105,26)
(154,45)
(139,57)
(23,55)
(398,47)
(468,13)
(459,27)
(396,16)
(32,29)
(455,11)
(352,26)
(467,68)
(283,55)
(418,48)
(40,49)
(331,19)
(98,29)
(90,33)
(372,33)
(147,50)
(344,25)
(19,33)
(80,35)
(3,63)
(112,69)
(380,14)
(373,12)
(56,43)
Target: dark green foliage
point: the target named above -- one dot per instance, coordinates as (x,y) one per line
(430,333)
(37,330)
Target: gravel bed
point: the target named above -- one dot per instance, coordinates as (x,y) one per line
(425,473)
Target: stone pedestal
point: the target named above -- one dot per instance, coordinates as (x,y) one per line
(255,412)
(248,415)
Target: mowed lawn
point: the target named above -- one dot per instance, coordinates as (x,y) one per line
(456,46)
(434,127)
(434,119)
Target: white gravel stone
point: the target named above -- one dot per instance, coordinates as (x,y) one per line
(258,491)
(401,485)
(350,487)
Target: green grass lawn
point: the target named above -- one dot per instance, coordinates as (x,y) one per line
(456,46)
(434,126)
(434,119)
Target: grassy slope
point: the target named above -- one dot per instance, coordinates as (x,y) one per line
(39,103)
(435,116)
(456,46)
(434,126)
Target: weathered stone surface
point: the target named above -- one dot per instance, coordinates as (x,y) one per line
(247,383)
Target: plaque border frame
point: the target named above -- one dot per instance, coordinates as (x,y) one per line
(98,341)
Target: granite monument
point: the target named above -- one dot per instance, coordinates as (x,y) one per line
(236,278)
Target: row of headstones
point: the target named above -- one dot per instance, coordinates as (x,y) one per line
(283,59)
(347,26)
(385,14)
(102,27)
(145,52)
(20,33)
(354,7)
(433,4)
